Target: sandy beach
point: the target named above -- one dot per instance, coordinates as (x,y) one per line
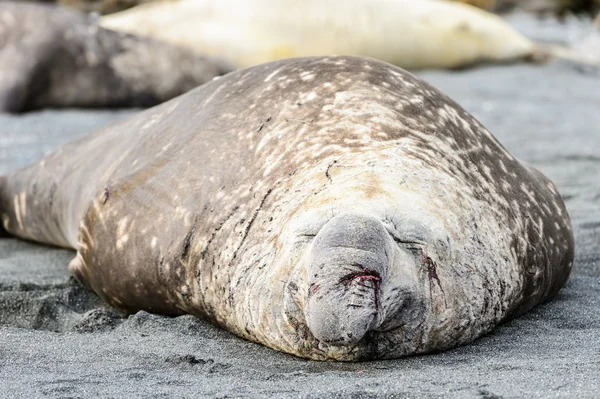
(57,340)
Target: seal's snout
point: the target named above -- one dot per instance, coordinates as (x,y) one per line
(348,263)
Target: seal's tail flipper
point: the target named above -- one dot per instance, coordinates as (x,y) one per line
(544,52)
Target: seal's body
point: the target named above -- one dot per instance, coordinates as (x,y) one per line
(55,57)
(333,208)
(407,33)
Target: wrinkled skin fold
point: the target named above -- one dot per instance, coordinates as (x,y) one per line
(329,207)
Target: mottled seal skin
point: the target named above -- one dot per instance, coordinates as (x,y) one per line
(55,57)
(329,207)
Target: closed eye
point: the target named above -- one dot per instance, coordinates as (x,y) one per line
(408,242)
(414,246)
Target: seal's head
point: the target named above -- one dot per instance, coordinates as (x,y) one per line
(365,269)
(363,276)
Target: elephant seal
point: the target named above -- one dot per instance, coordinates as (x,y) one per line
(407,33)
(329,207)
(51,56)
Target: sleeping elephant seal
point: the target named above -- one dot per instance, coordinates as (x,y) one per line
(329,207)
(407,33)
(55,57)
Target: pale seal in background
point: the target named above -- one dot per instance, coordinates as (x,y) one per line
(329,207)
(55,57)
(412,34)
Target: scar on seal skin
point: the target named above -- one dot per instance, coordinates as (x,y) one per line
(52,56)
(377,220)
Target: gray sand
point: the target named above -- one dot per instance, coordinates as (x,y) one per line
(58,341)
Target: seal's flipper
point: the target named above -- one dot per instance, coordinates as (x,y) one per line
(544,52)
